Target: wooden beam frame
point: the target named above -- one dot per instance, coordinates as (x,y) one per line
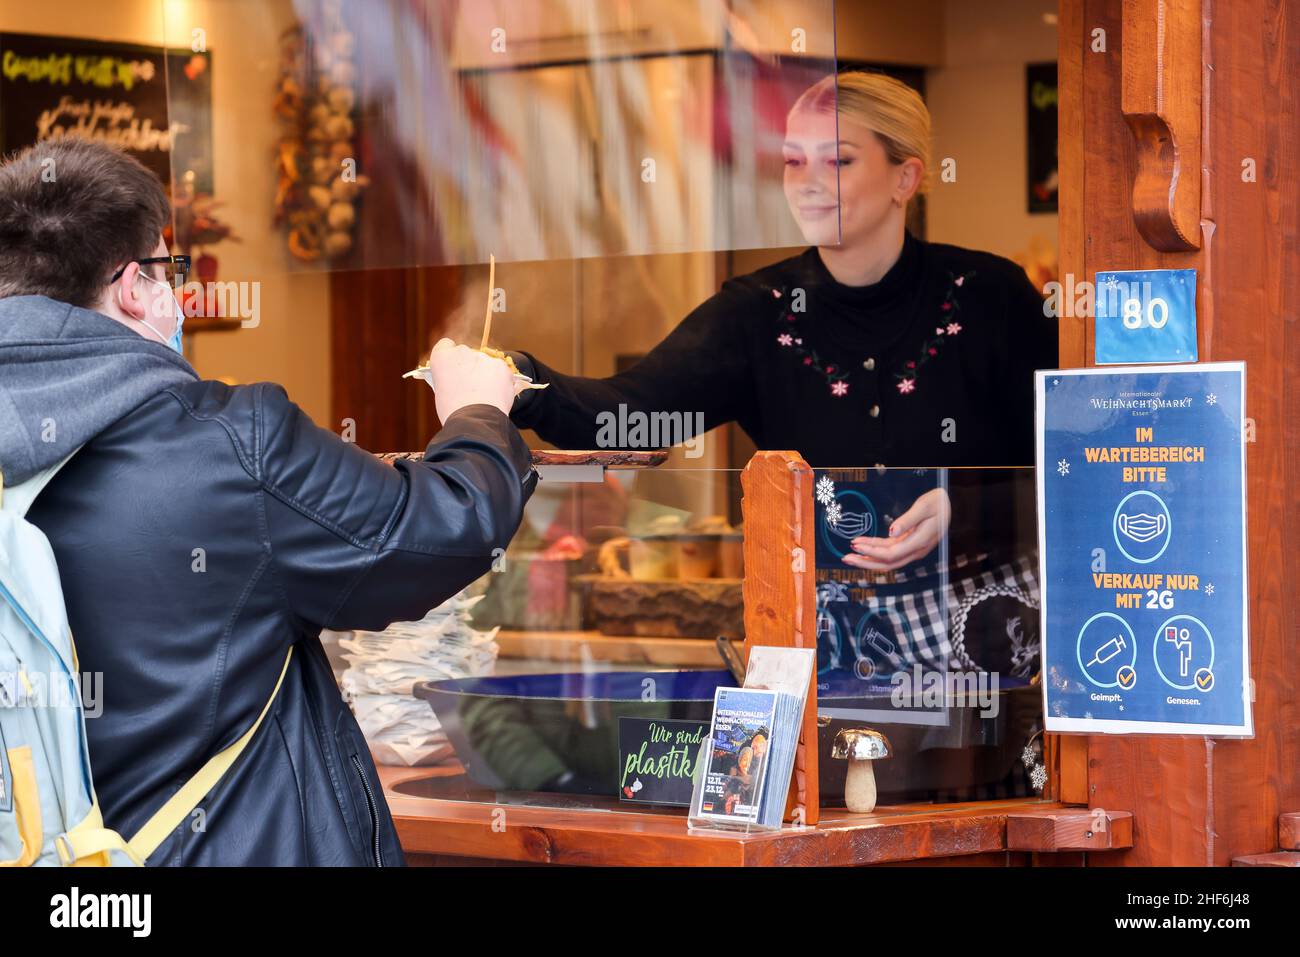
(780,589)
(1161,103)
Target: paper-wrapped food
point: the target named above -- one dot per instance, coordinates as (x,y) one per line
(384,667)
(522,381)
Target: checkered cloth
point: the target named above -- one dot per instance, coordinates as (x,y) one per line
(929,621)
(927,617)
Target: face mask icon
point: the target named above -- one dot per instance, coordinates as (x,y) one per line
(1142,527)
(853,524)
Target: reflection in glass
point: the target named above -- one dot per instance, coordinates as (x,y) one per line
(439,132)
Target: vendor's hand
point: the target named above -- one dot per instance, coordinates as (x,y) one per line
(913,535)
(462,376)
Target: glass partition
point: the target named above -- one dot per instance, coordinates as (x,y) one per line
(603,616)
(440,132)
(935,645)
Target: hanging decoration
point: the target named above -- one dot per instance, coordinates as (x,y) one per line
(317,162)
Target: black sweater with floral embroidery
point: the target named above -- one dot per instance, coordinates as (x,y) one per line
(931,366)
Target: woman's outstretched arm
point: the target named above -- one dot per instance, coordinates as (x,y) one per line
(697,378)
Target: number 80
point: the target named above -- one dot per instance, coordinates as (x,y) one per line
(1157,313)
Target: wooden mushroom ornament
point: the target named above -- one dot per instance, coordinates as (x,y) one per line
(860,747)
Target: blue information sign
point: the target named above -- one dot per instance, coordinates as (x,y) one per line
(1142,535)
(1146,315)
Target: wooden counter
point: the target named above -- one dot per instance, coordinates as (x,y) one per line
(603,832)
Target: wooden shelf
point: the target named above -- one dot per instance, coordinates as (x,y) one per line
(610,834)
(572,646)
(1288,831)
(212,324)
(1272,859)
(1071,829)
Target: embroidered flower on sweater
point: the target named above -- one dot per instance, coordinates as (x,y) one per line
(951,305)
(788,338)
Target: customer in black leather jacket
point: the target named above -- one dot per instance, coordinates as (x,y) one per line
(202,529)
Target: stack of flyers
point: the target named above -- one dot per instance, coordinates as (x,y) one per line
(753,739)
(736,763)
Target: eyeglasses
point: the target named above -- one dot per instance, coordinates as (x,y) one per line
(176,268)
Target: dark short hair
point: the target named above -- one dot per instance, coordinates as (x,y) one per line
(71,212)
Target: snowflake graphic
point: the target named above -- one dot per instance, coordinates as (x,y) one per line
(1038,777)
(906,386)
(1211,399)
(1209,588)
(840,388)
(834,513)
(1028,757)
(785,338)
(1063,467)
(954,328)
(825,491)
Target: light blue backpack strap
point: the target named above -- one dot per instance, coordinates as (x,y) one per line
(14,504)
(19,499)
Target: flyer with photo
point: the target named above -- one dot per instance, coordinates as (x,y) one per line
(742,725)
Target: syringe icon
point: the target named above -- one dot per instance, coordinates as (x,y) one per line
(1107,651)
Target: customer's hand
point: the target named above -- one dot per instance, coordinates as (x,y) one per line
(462,376)
(913,535)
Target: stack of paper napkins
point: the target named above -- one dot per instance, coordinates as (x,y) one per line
(385,666)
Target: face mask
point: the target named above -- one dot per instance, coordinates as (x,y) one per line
(175,341)
(1142,527)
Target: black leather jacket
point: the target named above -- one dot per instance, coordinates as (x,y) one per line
(200,536)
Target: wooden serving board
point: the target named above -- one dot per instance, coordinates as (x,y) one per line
(607,458)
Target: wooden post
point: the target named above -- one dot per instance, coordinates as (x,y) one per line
(780,589)
(1200,801)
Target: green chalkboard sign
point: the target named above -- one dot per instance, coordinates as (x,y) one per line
(155,105)
(656,759)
